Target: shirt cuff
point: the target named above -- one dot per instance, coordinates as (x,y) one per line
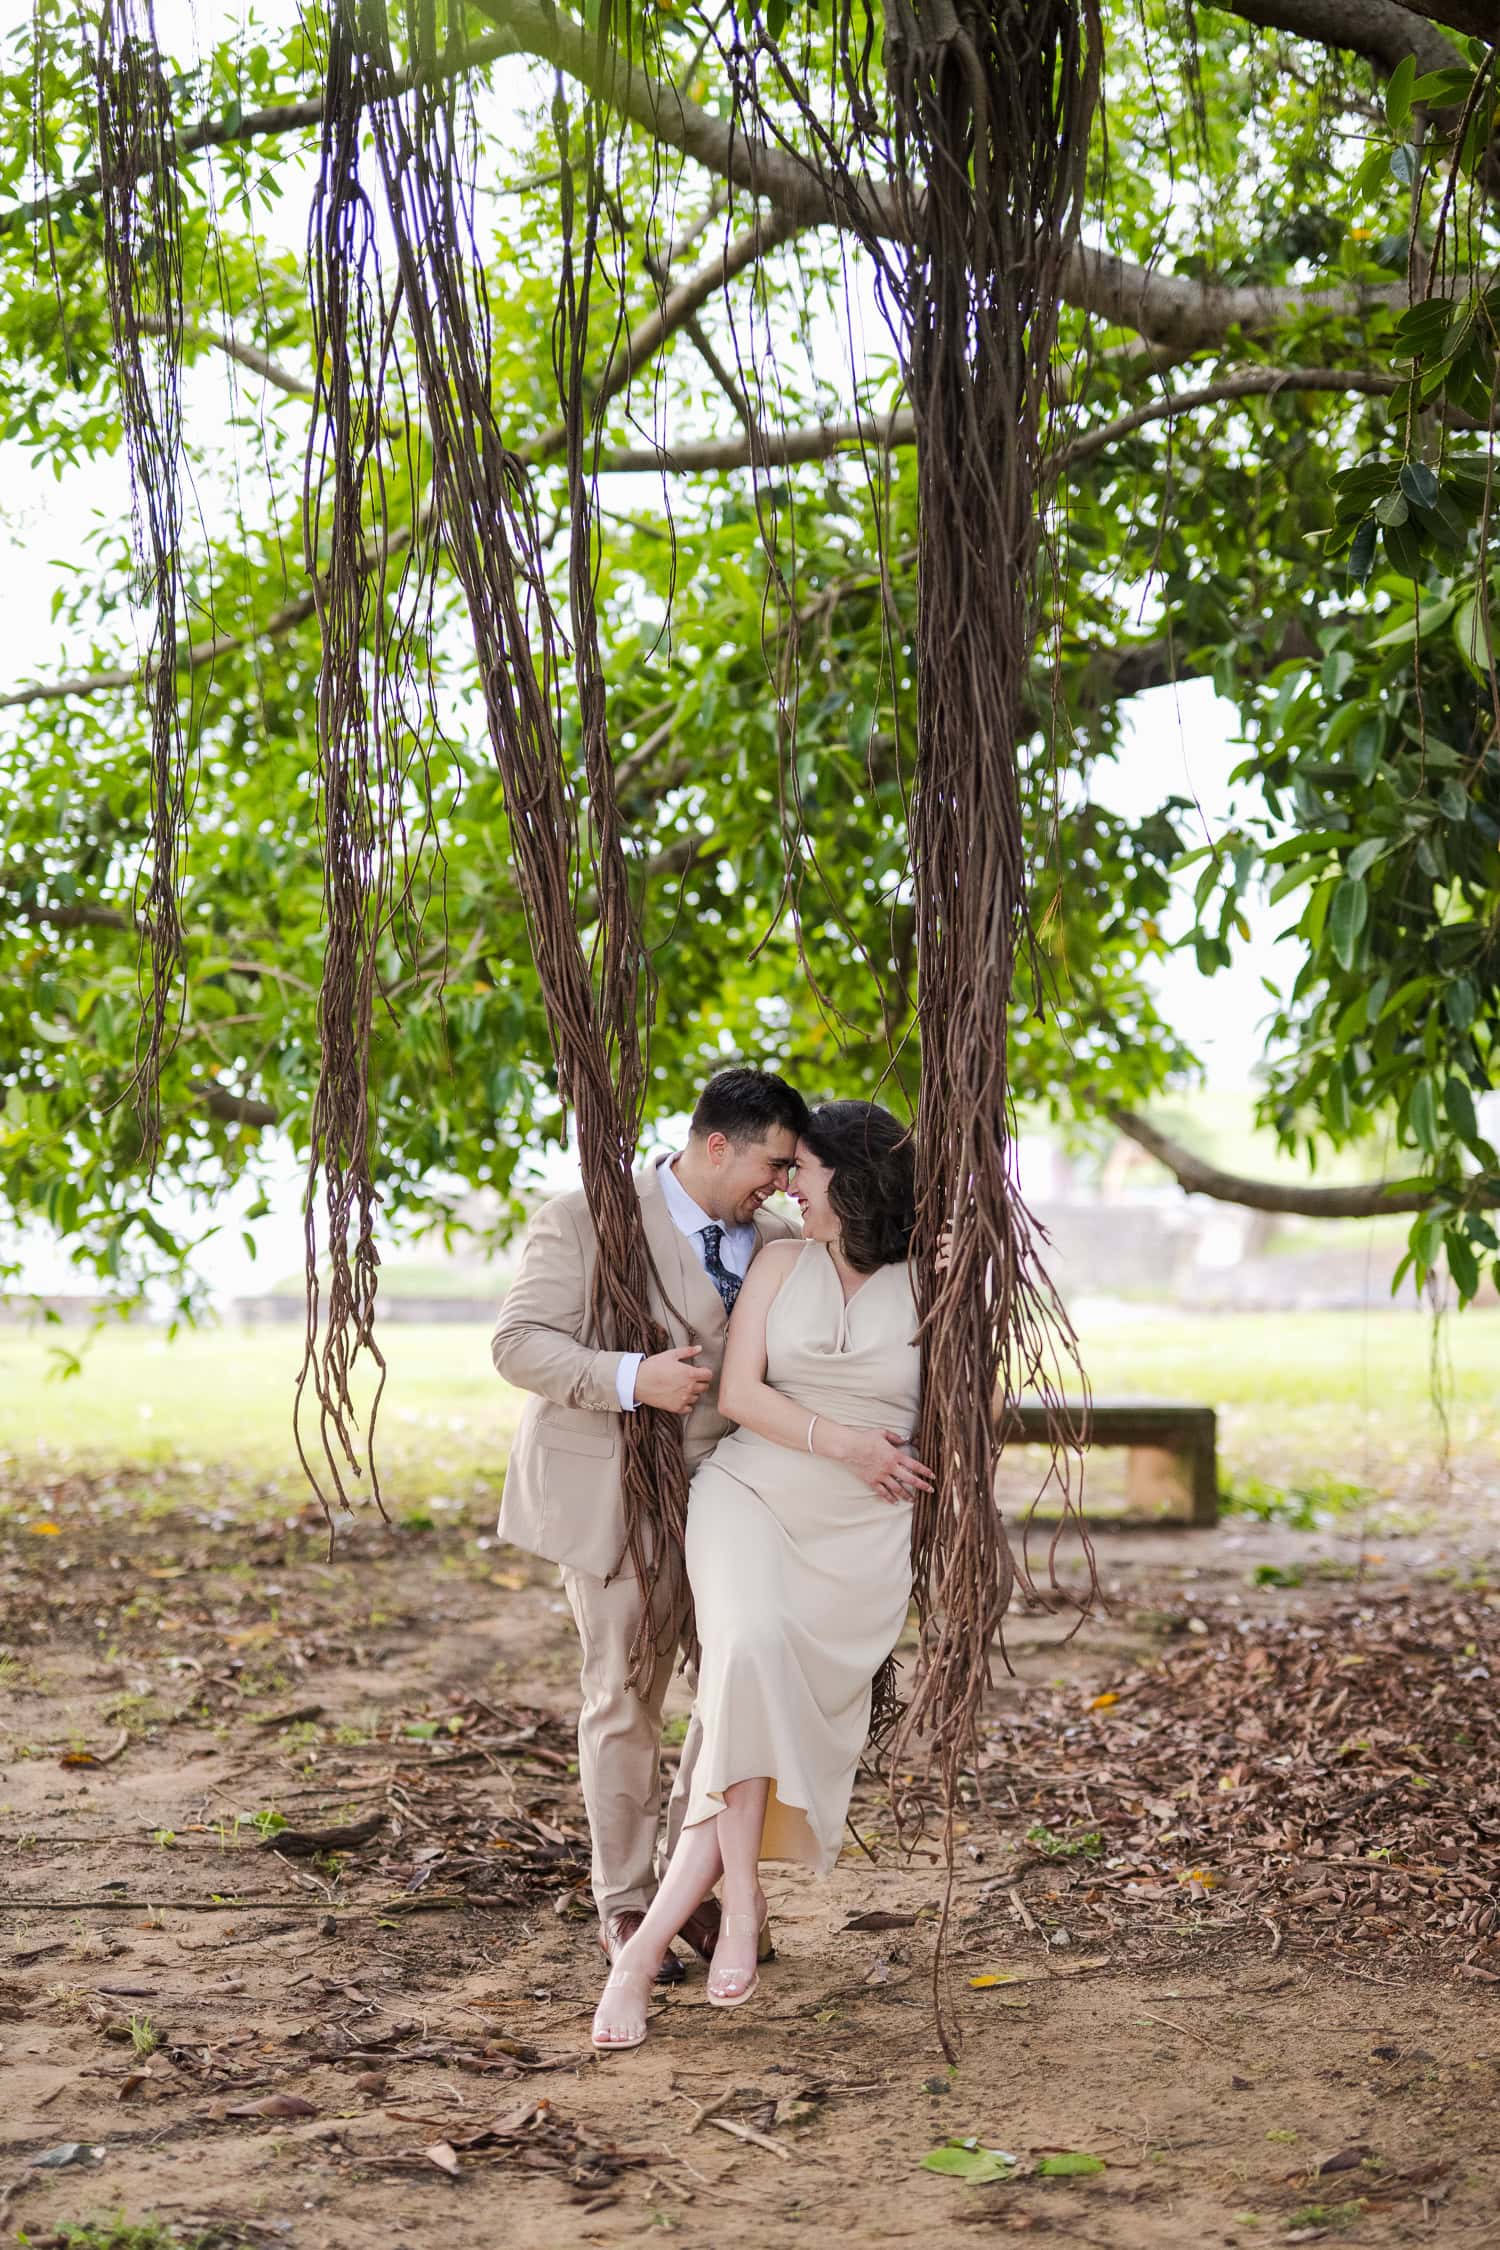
(625,1375)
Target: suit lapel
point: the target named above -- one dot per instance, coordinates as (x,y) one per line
(691,1298)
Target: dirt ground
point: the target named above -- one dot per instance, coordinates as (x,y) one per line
(248,2036)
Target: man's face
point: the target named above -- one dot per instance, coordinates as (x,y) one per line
(746,1172)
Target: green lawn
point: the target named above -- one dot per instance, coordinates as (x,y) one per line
(224,1396)
(1326,1399)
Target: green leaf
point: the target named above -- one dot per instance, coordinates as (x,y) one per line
(1418,483)
(1443,89)
(1364,856)
(1422,329)
(965,2160)
(1404,163)
(1398,93)
(1461,1003)
(1069,2164)
(1422,1115)
(1404,547)
(1346,918)
(1362,552)
(1369,739)
(1459,1104)
(1470,637)
(1463,1265)
(1392,509)
(1424,620)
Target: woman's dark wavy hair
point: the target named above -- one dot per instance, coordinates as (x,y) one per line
(874,1187)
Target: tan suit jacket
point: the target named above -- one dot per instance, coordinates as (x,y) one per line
(563,1497)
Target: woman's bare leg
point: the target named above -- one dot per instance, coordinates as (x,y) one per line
(691,1873)
(739,1828)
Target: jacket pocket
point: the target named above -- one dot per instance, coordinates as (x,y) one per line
(576,1435)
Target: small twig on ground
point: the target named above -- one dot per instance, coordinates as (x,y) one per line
(748,2133)
(703,2111)
(1023,1912)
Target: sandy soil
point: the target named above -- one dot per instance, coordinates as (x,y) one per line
(416,2005)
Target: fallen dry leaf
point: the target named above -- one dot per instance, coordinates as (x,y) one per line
(273,2105)
(443,2155)
(881,1918)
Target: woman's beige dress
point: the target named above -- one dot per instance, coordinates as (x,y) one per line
(801,1575)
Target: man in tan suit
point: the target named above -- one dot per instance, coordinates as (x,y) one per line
(704,1222)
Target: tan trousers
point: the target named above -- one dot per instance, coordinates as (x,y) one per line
(619,1746)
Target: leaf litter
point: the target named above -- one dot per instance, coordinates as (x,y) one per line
(1334,1778)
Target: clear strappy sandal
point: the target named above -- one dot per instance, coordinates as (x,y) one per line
(764,1951)
(641,1977)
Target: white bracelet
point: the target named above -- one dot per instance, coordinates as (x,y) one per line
(812,1425)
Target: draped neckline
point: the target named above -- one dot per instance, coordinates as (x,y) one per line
(842,1343)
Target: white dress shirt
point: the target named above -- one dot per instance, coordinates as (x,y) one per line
(735,1252)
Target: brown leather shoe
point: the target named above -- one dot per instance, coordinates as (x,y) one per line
(619,1929)
(701,1929)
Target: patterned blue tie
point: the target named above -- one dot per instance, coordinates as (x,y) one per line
(727,1283)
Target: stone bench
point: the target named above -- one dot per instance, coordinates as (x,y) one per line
(1171,1469)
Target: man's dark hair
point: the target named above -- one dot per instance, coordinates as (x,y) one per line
(873,1191)
(745,1104)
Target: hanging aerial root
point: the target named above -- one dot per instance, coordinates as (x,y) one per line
(141,212)
(991,103)
(344,502)
(489,527)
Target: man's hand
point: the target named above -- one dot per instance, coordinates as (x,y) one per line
(669,1380)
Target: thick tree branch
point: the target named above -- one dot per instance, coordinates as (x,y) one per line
(1168,308)
(258,362)
(233,1109)
(1474,19)
(780,449)
(1383,32)
(770,449)
(1371,1200)
(1251,382)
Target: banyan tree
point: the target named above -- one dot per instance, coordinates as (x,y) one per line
(937,160)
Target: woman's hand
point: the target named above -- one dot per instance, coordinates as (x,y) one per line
(882,1459)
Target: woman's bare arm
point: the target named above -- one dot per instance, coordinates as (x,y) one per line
(878,1457)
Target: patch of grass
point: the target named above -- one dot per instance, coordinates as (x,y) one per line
(1277,1574)
(1305,1506)
(1088,1844)
(1326,2215)
(135,1712)
(143,2035)
(130,2234)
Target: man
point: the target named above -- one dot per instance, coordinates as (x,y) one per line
(704,1222)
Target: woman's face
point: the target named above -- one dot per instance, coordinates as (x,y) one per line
(811,1180)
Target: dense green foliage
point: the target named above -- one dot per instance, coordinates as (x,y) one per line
(1324,554)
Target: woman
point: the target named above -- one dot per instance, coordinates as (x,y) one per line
(798,1550)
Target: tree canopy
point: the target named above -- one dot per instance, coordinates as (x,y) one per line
(1272,466)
